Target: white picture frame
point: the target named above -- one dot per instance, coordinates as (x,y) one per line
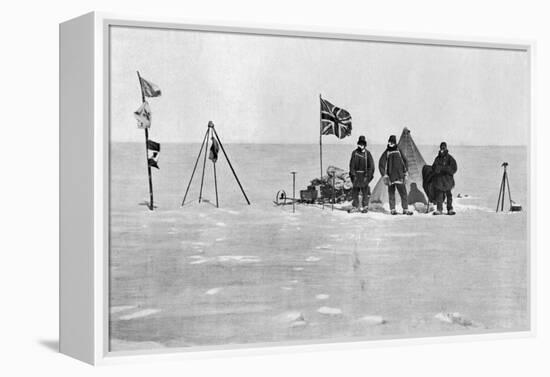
(84,198)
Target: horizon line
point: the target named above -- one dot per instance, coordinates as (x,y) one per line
(347,144)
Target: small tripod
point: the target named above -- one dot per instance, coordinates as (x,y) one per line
(211,133)
(502,191)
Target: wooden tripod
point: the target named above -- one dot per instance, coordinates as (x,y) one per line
(211,134)
(502,192)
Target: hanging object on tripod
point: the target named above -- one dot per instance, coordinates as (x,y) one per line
(514,207)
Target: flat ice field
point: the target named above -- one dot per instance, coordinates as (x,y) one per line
(201,276)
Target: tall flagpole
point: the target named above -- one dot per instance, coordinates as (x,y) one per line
(320,137)
(151,206)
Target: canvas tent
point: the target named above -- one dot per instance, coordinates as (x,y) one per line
(379,196)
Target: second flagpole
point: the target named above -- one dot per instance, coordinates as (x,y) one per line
(321,138)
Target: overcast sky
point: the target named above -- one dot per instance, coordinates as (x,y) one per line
(265,89)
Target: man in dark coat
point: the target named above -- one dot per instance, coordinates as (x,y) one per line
(444,167)
(361,171)
(393,167)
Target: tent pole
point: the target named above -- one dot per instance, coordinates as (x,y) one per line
(194,168)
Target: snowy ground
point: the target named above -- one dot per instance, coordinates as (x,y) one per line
(239,274)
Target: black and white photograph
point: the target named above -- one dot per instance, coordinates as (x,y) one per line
(274,190)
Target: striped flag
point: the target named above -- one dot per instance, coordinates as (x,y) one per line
(334,120)
(149,89)
(153,149)
(143,116)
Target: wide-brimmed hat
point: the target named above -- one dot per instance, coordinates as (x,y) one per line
(362,141)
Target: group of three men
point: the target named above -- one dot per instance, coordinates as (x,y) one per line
(394,170)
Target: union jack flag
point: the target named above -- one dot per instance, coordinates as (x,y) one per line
(334,120)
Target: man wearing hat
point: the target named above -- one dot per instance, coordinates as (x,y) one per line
(393,167)
(361,171)
(444,167)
